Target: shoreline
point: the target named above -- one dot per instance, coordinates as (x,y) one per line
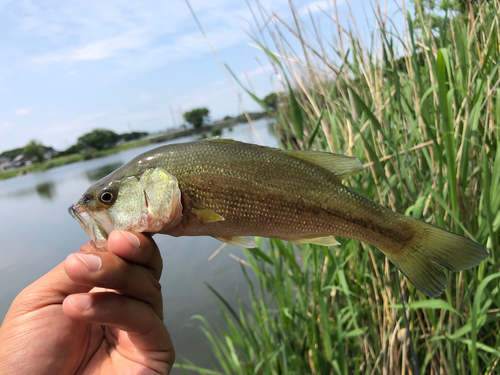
(158,138)
(180,133)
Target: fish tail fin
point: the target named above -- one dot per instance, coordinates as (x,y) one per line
(432,248)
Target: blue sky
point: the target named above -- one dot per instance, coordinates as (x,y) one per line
(67,67)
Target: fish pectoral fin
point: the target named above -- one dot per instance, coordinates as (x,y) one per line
(206,215)
(341,166)
(323,241)
(241,241)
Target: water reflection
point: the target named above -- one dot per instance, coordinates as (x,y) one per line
(98,173)
(46,190)
(37,233)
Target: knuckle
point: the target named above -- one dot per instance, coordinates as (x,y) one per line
(116,272)
(157,285)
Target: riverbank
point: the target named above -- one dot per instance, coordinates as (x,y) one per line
(208,129)
(38,233)
(69,159)
(155,138)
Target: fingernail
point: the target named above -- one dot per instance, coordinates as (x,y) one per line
(92,261)
(132,238)
(81,301)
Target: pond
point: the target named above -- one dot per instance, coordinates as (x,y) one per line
(37,233)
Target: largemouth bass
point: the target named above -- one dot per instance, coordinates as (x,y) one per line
(231,190)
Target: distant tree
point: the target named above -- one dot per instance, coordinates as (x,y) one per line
(271,101)
(11,154)
(34,149)
(133,135)
(216,131)
(99,139)
(197,116)
(462,6)
(74,149)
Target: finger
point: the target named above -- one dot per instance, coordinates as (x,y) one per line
(137,248)
(107,270)
(143,326)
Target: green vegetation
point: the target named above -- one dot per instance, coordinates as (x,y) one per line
(97,143)
(216,131)
(467,8)
(99,139)
(271,101)
(72,158)
(421,109)
(197,116)
(11,154)
(34,149)
(132,136)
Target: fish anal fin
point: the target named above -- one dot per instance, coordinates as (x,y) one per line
(341,166)
(206,215)
(323,241)
(241,241)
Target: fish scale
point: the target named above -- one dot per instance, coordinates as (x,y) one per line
(231,190)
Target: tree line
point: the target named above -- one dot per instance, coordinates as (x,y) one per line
(100,139)
(199,116)
(97,139)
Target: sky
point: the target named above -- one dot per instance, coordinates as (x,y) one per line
(68,67)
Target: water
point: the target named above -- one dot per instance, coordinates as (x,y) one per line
(37,233)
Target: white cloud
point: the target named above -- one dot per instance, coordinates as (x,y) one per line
(22,111)
(96,50)
(255,72)
(185,46)
(46,41)
(318,6)
(96,30)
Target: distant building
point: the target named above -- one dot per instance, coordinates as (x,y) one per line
(5,164)
(49,152)
(21,160)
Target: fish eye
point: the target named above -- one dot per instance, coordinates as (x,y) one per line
(107,197)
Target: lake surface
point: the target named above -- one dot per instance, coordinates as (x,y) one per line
(37,233)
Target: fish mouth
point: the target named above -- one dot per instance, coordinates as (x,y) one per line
(96,225)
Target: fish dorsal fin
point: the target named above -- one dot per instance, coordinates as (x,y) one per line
(216,139)
(341,166)
(211,138)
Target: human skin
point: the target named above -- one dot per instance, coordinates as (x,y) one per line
(95,313)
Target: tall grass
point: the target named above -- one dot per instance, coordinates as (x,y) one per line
(420,106)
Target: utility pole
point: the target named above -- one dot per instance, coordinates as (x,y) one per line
(174,120)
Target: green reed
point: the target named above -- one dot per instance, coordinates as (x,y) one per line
(420,107)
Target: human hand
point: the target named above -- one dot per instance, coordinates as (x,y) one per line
(67,323)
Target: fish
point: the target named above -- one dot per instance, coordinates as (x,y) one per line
(232,190)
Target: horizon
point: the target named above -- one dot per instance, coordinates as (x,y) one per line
(68,68)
